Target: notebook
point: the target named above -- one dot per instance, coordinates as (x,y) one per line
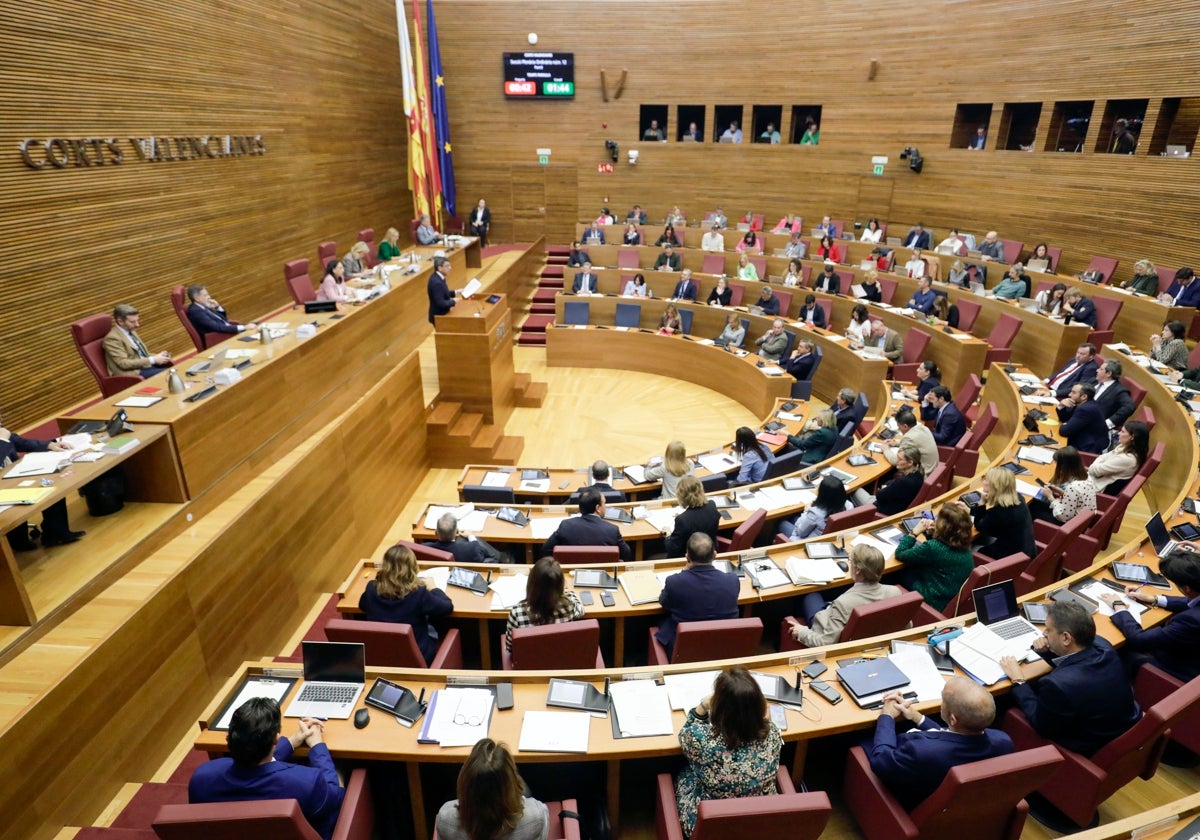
(871,677)
(334,676)
(1008,633)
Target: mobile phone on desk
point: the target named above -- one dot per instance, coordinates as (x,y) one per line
(815,669)
(585,598)
(607,599)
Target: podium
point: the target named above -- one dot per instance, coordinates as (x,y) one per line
(475,358)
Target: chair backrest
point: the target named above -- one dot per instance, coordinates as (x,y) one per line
(388,645)
(786,463)
(576,312)
(1166,276)
(1107,266)
(915,345)
(930,486)
(1193,359)
(860,407)
(1146,415)
(179,303)
(1136,392)
(843,441)
(427,552)
(263,819)
(760,265)
(888,615)
(1107,310)
(367,235)
(1012,250)
(827,305)
(736,293)
(685,320)
(852,518)
(968,393)
(785,302)
(1109,521)
(295,276)
(887,288)
(715,483)
(1006,568)
(88,335)
(727,638)
(482,493)
(791,342)
(796,816)
(1153,460)
(968,312)
(1006,329)
(746,533)
(326,251)
(555,647)
(1046,568)
(982,799)
(713,263)
(628,315)
(1054,254)
(983,426)
(576,554)
(745,330)
(839,226)
(627,258)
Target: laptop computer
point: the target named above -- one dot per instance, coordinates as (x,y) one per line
(871,677)
(217,360)
(334,676)
(1002,630)
(1156,530)
(1041,266)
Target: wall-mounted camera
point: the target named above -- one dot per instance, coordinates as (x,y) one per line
(613,149)
(913,156)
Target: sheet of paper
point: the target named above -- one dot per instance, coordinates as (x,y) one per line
(635,472)
(555,732)
(769,575)
(981,667)
(87,457)
(459,717)
(1027,489)
(685,691)
(924,677)
(772,370)
(495,478)
(642,708)
(37,463)
(706,341)
(508,591)
(543,526)
(535,485)
(471,288)
(887,549)
(435,513)
(78,442)
(438,575)
(718,462)
(241,354)
(804,570)
(775,497)
(1035,399)
(663,519)
(275,325)
(1095,589)
(834,337)
(275,689)
(138,402)
(1037,454)
(789,416)
(662,576)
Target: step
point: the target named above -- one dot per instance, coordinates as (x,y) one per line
(466,426)
(542,309)
(545,295)
(521,381)
(537,323)
(558,250)
(554,271)
(487,437)
(532,339)
(89,832)
(442,415)
(532,396)
(508,450)
(551,283)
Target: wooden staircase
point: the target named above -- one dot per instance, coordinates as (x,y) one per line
(541,309)
(456,438)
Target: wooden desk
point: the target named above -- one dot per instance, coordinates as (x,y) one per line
(154,475)
(467,255)
(288,378)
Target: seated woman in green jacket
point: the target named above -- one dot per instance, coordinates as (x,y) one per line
(817,440)
(937,567)
(389,248)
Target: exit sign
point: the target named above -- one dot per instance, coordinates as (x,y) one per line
(558,88)
(877,169)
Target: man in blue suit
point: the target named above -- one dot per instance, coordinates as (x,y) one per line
(918,238)
(1183,291)
(1081,309)
(208,316)
(1086,701)
(441,299)
(258,766)
(913,764)
(701,592)
(811,313)
(585,281)
(686,288)
(1086,429)
(589,528)
(1175,645)
(1082,368)
(949,425)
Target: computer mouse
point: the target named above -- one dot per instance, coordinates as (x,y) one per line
(843,565)
(361,718)
(762,364)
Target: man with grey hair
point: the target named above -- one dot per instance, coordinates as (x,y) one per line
(466,549)
(441,299)
(124,351)
(772,343)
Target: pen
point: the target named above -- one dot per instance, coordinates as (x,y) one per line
(421,699)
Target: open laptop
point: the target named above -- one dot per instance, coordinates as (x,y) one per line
(1156,530)
(216,361)
(1177,151)
(1041,266)
(1002,630)
(334,675)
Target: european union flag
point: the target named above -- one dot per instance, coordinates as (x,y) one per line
(441,119)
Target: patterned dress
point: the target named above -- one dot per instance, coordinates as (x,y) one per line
(714,771)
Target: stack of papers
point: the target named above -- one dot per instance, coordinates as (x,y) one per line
(685,691)
(1037,454)
(494,478)
(439,576)
(806,570)
(508,591)
(641,587)
(543,526)
(641,708)
(886,547)
(663,519)
(635,473)
(555,732)
(39,463)
(718,462)
(775,497)
(468,518)
(457,717)
(1092,591)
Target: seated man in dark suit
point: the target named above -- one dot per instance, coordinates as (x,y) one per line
(811,313)
(949,425)
(585,281)
(1183,291)
(589,528)
(577,257)
(913,764)
(701,592)
(843,407)
(56,529)
(594,235)
(1080,369)
(1112,397)
(637,215)
(124,351)
(464,550)
(1174,645)
(800,363)
(767,301)
(686,288)
(668,260)
(918,237)
(602,481)
(1080,310)
(258,766)
(1086,701)
(208,316)
(1086,429)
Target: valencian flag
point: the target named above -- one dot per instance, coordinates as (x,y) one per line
(426,117)
(418,182)
(441,118)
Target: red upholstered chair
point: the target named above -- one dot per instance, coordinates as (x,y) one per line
(629,258)
(713,263)
(1012,250)
(839,226)
(796,816)
(179,303)
(367,235)
(934,485)
(846,280)
(1001,339)
(561,827)
(785,302)
(428,552)
(885,616)
(827,305)
(267,819)
(963,457)
(968,312)
(1107,311)
(736,292)
(1107,266)
(965,399)
(326,251)
(1146,415)
(576,554)
(391,645)
(915,345)
(295,276)
(1055,254)
(1136,391)
(851,518)
(698,641)
(1155,684)
(760,264)
(983,800)
(888,287)
(1111,512)
(1193,359)
(744,535)
(88,335)
(1047,567)
(1006,568)
(1081,785)
(1166,276)
(554,647)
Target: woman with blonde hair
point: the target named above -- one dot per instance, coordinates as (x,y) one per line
(670,323)
(1144,280)
(699,514)
(354,261)
(1002,518)
(399,596)
(958,275)
(389,248)
(491,804)
(746,269)
(674,465)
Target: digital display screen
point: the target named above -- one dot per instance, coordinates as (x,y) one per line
(539,75)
